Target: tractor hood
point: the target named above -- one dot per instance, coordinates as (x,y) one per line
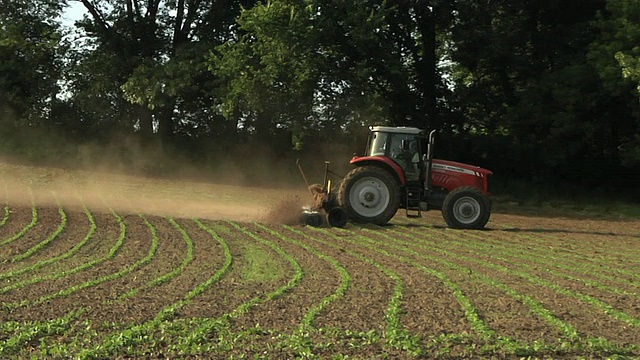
(450,175)
(460,167)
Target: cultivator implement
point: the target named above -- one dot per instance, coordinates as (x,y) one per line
(324,209)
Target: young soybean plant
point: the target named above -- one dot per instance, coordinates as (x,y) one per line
(21,233)
(48,240)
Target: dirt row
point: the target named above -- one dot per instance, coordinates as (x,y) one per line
(444,285)
(568,303)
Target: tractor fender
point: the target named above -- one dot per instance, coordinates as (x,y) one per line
(383,162)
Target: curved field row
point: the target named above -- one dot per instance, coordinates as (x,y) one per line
(15,233)
(618,281)
(509,272)
(83,282)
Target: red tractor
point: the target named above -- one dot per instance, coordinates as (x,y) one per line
(398,172)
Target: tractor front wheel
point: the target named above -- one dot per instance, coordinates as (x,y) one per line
(369,194)
(466,208)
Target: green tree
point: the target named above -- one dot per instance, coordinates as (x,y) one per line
(31,49)
(524,82)
(143,67)
(621,30)
(616,56)
(330,66)
(269,73)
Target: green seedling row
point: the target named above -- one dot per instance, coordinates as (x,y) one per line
(5,216)
(471,314)
(536,244)
(549,262)
(441,256)
(300,342)
(196,339)
(61,274)
(573,261)
(574,340)
(345,277)
(100,280)
(171,274)
(495,342)
(130,340)
(395,334)
(199,342)
(429,246)
(199,339)
(21,233)
(606,308)
(34,331)
(47,241)
(66,255)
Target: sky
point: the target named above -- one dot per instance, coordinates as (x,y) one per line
(73,12)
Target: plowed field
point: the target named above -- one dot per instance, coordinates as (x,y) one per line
(135,268)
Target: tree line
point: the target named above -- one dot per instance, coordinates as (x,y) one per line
(537,90)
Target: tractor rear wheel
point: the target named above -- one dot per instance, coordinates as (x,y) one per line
(466,208)
(369,194)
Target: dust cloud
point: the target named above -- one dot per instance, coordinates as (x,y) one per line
(100,191)
(250,182)
(287,211)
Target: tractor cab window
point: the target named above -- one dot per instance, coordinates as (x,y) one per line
(405,150)
(378,144)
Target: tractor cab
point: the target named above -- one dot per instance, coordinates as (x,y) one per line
(403,145)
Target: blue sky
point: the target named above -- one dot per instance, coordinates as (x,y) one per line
(73,12)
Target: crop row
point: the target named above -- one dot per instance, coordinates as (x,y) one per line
(461,268)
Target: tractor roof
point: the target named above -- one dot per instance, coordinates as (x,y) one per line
(399,129)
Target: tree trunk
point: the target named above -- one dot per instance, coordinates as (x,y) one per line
(145,122)
(426,67)
(166,126)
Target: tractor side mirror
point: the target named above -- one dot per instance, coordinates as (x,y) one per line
(404,144)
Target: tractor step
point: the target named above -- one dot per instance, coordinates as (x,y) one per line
(412,202)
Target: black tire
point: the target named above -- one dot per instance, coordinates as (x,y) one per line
(337,217)
(369,194)
(333,198)
(466,208)
(312,219)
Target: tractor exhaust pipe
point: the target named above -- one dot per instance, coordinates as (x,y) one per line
(429,159)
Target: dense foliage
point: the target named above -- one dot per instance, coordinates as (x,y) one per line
(530,89)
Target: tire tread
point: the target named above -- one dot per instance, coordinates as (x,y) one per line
(384,176)
(485,208)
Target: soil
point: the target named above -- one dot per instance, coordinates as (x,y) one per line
(582,272)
